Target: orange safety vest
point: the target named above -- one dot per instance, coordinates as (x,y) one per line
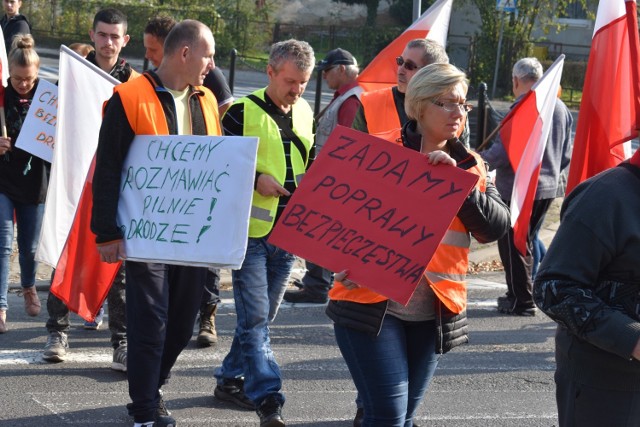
(447,270)
(144,110)
(381,114)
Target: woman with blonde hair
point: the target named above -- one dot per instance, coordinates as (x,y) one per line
(392,350)
(23,179)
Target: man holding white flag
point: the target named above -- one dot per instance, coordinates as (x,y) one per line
(109,34)
(500,156)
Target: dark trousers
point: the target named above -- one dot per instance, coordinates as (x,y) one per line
(580,405)
(317,280)
(211,294)
(116,302)
(518,268)
(162,304)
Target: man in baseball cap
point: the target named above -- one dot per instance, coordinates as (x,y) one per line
(336,57)
(340,70)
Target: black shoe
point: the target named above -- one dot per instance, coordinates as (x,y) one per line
(233,391)
(164,421)
(304,295)
(357,421)
(508,305)
(522,311)
(270,413)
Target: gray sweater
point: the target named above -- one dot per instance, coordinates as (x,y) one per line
(555,161)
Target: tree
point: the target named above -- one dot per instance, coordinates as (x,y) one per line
(372,9)
(517,29)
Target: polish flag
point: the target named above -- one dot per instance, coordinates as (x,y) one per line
(610,104)
(524,135)
(66,242)
(433,24)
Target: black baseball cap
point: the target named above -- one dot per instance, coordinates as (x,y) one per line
(336,57)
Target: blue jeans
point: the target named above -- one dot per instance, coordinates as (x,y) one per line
(539,251)
(28,221)
(392,370)
(258,287)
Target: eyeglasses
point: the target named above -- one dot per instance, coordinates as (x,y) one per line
(408,65)
(327,70)
(450,107)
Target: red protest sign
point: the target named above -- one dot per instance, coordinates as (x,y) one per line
(374,208)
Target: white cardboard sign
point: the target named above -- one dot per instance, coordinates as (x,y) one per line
(38,132)
(186,199)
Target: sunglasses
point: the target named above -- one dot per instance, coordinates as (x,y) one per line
(409,66)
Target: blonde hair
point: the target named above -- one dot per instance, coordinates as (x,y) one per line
(429,83)
(82,49)
(23,53)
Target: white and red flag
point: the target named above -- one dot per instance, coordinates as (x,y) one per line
(66,242)
(610,104)
(433,24)
(524,134)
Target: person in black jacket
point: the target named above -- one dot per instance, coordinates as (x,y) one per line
(392,350)
(23,180)
(589,283)
(162,299)
(109,35)
(13,22)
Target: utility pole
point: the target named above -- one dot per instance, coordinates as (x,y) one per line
(417,7)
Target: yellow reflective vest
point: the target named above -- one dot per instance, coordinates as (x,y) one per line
(271,156)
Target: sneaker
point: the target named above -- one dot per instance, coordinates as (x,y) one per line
(160,421)
(162,407)
(119,362)
(3,321)
(357,421)
(164,421)
(97,322)
(56,348)
(270,413)
(233,391)
(303,295)
(207,335)
(31,302)
(522,311)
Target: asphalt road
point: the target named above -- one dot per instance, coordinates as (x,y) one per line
(503,377)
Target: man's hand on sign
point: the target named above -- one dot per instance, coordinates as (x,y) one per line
(5,145)
(112,252)
(440,157)
(342,278)
(267,186)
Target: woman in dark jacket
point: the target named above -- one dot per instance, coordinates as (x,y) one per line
(392,350)
(23,179)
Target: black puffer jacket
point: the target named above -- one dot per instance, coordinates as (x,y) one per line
(486,217)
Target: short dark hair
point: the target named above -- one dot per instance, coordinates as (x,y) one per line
(159,27)
(110,16)
(187,32)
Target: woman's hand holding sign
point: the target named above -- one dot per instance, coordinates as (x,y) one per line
(342,278)
(5,145)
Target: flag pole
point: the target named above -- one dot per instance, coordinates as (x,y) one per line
(3,122)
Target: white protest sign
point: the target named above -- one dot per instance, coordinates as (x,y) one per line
(37,135)
(186,199)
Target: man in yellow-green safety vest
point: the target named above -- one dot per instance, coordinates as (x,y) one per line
(249,375)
